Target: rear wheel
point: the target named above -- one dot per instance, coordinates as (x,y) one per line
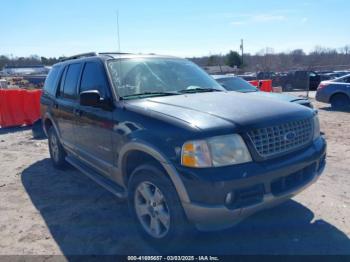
(156,208)
(57,153)
(340,101)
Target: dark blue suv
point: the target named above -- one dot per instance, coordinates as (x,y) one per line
(161,133)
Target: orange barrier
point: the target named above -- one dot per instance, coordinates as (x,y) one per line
(31,106)
(19,107)
(266,85)
(263,85)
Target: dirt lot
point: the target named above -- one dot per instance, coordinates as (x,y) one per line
(45,211)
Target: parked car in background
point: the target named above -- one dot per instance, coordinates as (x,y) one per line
(160,133)
(335,92)
(233,83)
(250,77)
(265,75)
(301,80)
(335,75)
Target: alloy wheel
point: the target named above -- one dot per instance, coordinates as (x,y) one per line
(152,210)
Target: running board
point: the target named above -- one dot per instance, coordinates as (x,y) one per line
(106,183)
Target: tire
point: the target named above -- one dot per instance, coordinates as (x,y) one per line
(146,180)
(37,130)
(340,101)
(57,153)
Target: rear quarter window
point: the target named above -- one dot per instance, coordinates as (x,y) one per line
(52,81)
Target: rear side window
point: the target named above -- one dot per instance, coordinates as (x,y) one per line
(51,80)
(94,78)
(71,81)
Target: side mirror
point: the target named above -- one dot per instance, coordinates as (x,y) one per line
(90,98)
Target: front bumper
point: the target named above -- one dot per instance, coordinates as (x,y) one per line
(282,181)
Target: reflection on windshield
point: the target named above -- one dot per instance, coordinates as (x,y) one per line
(237,84)
(158,76)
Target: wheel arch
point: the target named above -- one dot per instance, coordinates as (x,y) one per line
(136,153)
(338,93)
(49,122)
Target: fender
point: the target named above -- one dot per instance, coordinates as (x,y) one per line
(49,116)
(155,153)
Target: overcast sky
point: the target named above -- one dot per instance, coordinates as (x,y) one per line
(179,27)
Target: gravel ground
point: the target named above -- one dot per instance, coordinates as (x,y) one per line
(45,212)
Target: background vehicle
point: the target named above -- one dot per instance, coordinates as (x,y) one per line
(265,75)
(161,133)
(232,83)
(335,92)
(248,77)
(301,80)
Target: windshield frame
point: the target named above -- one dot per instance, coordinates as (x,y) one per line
(115,87)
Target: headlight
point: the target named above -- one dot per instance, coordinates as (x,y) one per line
(215,152)
(317,131)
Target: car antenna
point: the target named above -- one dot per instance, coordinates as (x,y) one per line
(118,33)
(119,49)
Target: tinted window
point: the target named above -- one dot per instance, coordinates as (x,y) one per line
(94,79)
(51,80)
(343,79)
(71,81)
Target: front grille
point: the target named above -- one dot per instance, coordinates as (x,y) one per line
(280,139)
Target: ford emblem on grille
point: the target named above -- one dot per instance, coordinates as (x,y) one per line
(289,136)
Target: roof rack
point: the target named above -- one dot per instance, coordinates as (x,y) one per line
(79,56)
(114,53)
(110,54)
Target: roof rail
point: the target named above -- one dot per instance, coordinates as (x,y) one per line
(79,56)
(114,53)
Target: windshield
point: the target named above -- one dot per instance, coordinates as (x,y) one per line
(236,84)
(139,77)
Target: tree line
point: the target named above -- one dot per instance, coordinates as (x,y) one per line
(268,60)
(265,60)
(33,60)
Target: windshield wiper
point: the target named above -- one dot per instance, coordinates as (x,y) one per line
(199,89)
(151,94)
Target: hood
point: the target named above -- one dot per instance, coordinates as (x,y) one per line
(278,96)
(212,110)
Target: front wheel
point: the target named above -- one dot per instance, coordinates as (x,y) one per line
(156,208)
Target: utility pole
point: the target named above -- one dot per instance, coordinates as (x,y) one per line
(242,49)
